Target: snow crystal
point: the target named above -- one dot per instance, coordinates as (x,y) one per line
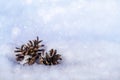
(28,2)
(16,31)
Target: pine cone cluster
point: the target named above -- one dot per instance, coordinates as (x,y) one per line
(34,52)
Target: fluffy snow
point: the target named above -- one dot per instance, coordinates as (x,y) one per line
(85,32)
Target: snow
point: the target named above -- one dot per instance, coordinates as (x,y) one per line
(85,32)
(15,31)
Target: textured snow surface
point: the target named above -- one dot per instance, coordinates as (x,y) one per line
(85,32)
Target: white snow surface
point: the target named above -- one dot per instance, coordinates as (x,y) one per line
(85,32)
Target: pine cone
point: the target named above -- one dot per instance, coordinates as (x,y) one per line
(51,58)
(32,49)
(34,52)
